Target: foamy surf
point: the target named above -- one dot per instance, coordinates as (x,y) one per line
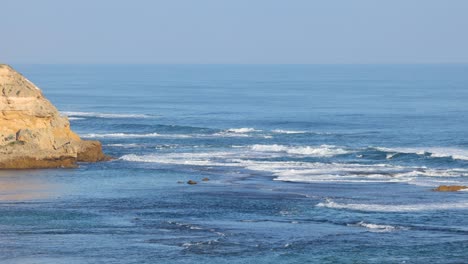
(253,158)
(281,131)
(435,152)
(130,145)
(178,159)
(393,207)
(229,134)
(306,172)
(238,132)
(242,130)
(378,228)
(318,151)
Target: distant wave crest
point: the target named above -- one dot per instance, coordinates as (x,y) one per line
(242,130)
(103,115)
(120,135)
(281,131)
(130,135)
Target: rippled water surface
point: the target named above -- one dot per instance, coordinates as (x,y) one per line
(306,164)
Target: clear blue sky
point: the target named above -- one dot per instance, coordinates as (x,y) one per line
(234,31)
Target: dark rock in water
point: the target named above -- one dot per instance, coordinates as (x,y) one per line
(179,182)
(191,182)
(450,188)
(205,179)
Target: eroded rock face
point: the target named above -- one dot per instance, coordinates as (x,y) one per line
(33,134)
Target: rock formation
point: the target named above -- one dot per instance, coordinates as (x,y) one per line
(450,188)
(33,134)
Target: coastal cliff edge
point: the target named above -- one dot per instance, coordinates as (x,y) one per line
(33,134)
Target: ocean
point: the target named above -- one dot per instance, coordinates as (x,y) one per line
(304,164)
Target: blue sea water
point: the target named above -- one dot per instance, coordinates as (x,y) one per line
(306,164)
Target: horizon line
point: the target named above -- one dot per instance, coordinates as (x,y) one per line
(242,64)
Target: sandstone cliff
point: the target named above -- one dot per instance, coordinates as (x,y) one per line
(33,134)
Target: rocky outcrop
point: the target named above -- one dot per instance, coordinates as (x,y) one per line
(33,134)
(450,188)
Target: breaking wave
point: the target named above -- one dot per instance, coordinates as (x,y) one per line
(76,118)
(393,207)
(253,159)
(320,151)
(378,228)
(130,145)
(281,131)
(236,132)
(242,130)
(435,152)
(199,159)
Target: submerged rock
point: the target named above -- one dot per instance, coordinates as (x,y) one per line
(33,134)
(205,179)
(450,188)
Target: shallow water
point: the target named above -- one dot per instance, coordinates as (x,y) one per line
(307,164)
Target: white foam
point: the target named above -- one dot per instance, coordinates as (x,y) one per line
(131,145)
(393,207)
(436,152)
(283,171)
(172,146)
(340,172)
(319,151)
(236,132)
(293,171)
(281,131)
(229,134)
(103,115)
(433,183)
(242,130)
(418,151)
(425,172)
(192,159)
(377,228)
(76,118)
(454,153)
(336,172)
